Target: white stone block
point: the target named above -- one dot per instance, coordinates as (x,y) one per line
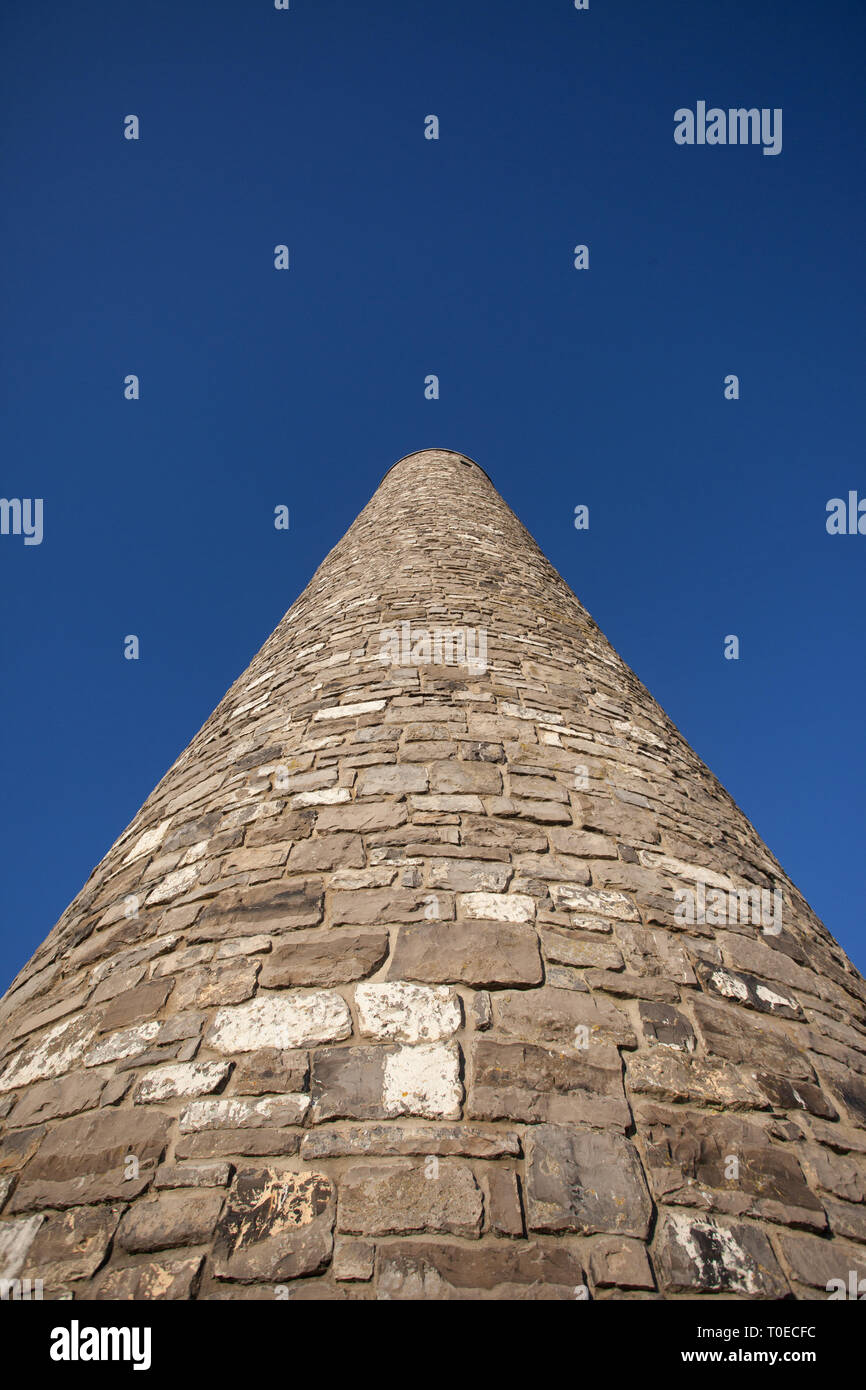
(408,1013)
(287,1020)
(423,1081)
(496,907)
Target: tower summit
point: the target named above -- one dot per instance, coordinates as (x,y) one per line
(437,966)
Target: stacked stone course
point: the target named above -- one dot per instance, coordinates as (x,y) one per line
(382,994)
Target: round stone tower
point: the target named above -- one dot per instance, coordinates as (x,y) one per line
(438,966)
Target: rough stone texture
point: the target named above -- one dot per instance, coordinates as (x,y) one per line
(483,954)
(169,1219)
(376,1082)
(70,1245)
(516,1081)
(699,1254)
(620,1264)
(406,1012)
(281,1021)
(471,1141)
(169,1279)
(275,1226)
(528,1270)
(330,959)
(583,1181)
(399,1197)
(405,964)
(181,1079)
(353,1259)
(84,1159)
(504,1208)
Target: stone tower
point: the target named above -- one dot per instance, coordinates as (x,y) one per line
(437,966)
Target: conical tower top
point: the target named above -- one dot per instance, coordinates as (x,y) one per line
(438,965)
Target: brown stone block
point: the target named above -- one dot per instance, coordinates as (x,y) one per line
(451,777)
(348,1083)
(136,1006)
(402,1197)
(468,875)
(518,837)
(400,1140)
(391,779)
(504,1208)
(842,1175)
(17,1146)
(57,1098)
(477,752)
(801,1095)
(353,1259)
(34,1019)
(169,1219)
(482,954)
(673,1077)
(271,1070)
(580,1180)
(569,1019)
(725,1164)
(325,957)
(748,991)
(71,1245)
(848,1088)
(372,906)
(581,843)
(622,1264)
(564,948)
(275,1226)
(694,1254)
(85,1156)
(741,1038)
(239,1143)
(628,986)
(531,1270)
(846,1219)
(336,851)
(817,1263)
(173,1175)
(376,815)
(518,1081)
(267,907)
(164,1279)
(665,1026)
(619,820)
(525,808)
(231,983)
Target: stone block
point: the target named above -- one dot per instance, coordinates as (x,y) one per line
(275,1226)
(695,1254)
(396,1011)
(584,1181)
(169,1219)
(325,958)
(482,954)
(281,1021)
(401,1197)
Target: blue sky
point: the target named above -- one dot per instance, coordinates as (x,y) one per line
(410,257)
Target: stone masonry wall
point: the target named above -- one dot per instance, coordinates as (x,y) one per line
(382,994)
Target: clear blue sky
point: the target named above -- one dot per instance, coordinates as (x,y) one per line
(409,257)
